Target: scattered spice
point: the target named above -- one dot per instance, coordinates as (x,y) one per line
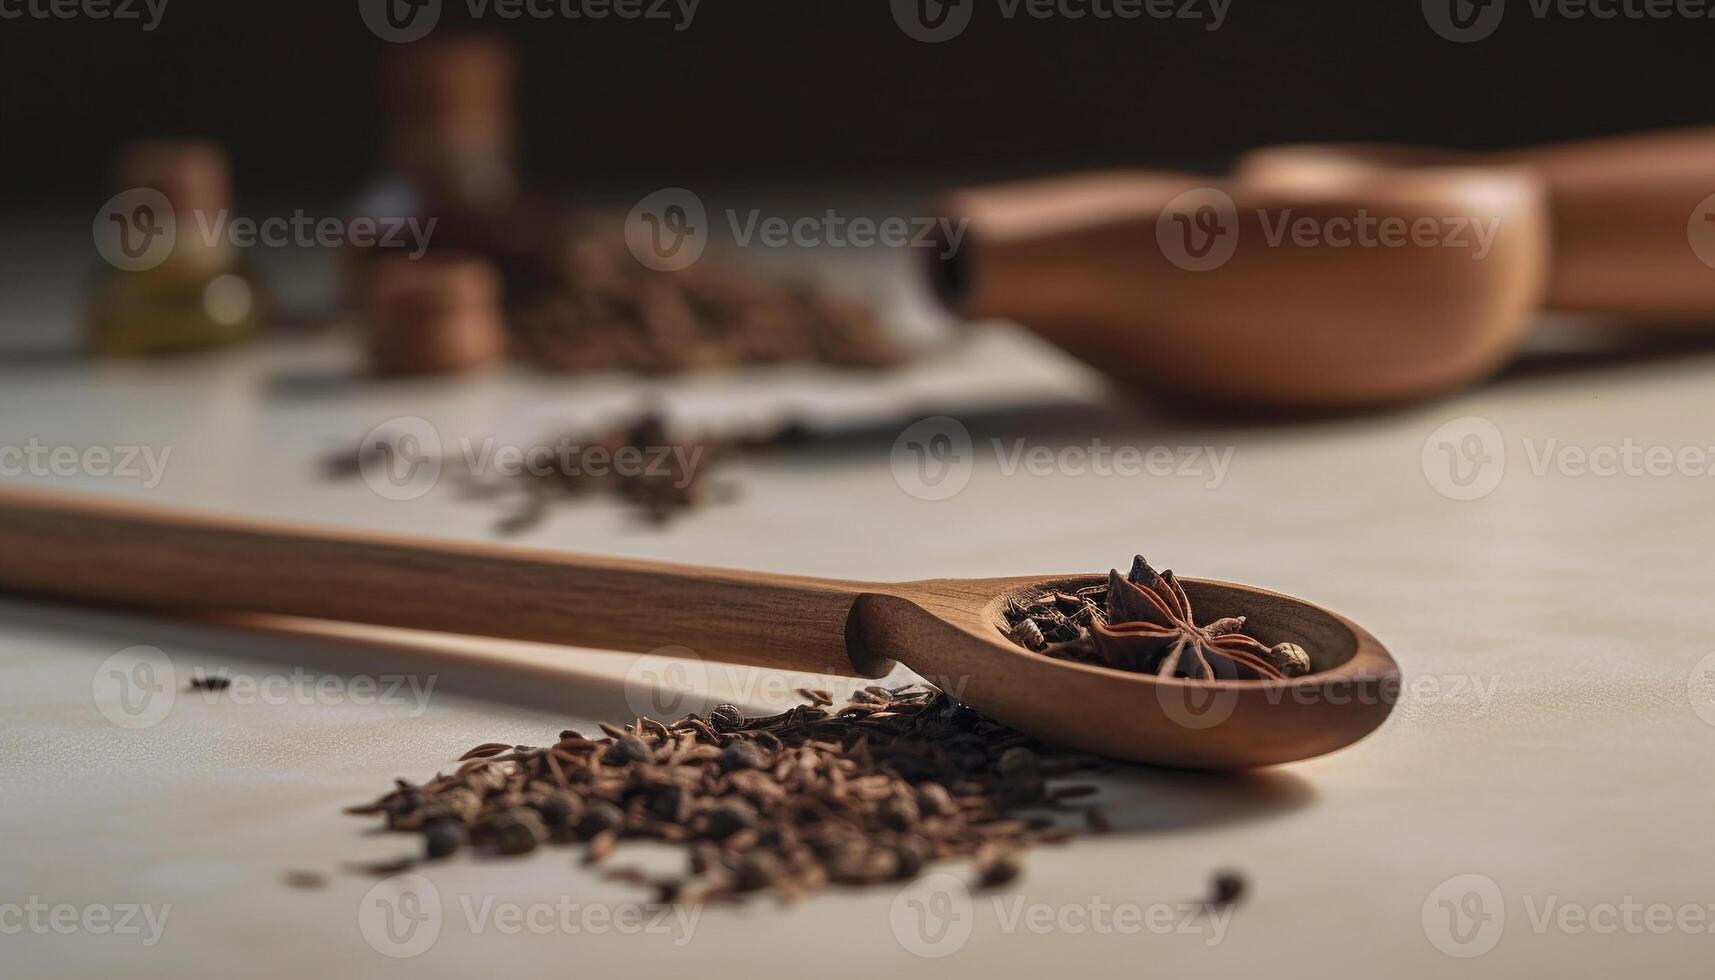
(611,312)
(642,462)
(1227,888)
(205,682)
(786,804)
(1143,622)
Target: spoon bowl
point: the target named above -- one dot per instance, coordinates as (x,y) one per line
(951,632)
(948,630)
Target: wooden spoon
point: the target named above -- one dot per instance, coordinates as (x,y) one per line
(947,630)
(1633,217)
(1197,286)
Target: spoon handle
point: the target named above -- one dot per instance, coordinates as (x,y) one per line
(120,552)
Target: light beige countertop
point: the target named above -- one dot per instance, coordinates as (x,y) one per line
(1554,741)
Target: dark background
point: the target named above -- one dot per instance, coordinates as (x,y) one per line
(832,89)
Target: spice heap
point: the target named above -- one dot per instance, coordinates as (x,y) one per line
(869,793)
(1143,622)
(642,462)
(610,312)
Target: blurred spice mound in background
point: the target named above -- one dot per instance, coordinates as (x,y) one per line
(610,312)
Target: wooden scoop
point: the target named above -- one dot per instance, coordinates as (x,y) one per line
(1207,288)
(947,630)
(1633,217)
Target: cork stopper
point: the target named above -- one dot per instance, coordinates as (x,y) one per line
(450,97)
(193,174)
(195,178)
(433,315)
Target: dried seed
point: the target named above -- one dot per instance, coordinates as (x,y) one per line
(442,837)
(726,718)
(626,751)
(741,755)
(998,866)
(600,818)
(1227,888)
(877,791)
(728,818)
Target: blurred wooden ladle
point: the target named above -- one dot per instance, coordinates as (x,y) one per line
(1384,286)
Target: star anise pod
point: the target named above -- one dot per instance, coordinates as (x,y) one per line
(1150,629)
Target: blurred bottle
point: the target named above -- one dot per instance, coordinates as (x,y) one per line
(451,133)
(199,294)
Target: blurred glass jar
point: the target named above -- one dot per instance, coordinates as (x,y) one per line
(173,284)
(451,151)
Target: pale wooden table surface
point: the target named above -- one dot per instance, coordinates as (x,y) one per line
(1555,735)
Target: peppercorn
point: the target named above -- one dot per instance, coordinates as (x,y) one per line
(726,718)
(626,751)
(741,754)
